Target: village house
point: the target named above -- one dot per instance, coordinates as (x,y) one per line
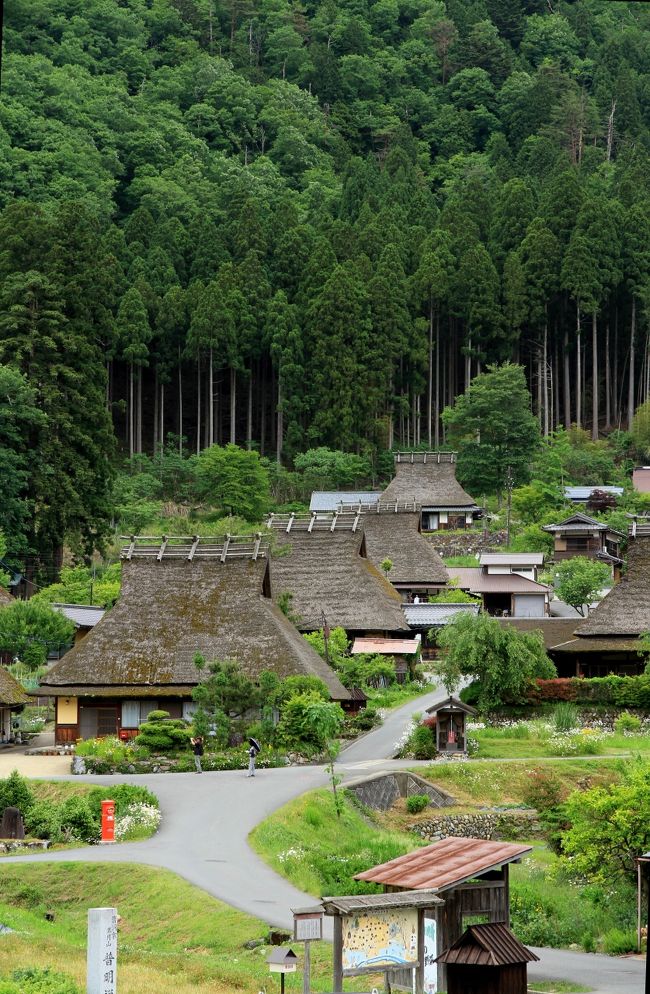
(526,564)
(179,597)
(393,531)
(581,535)
(83,616)
(12,700)
(428,619)
(503,594)
(428,479)
(322,575)
(606,641)
(641,479)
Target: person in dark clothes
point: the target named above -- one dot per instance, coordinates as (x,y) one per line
(197,746)
(252,753)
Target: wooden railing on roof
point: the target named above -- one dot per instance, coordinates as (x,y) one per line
(194,547)
(425,457)
(383,507)
(640,529)
(321,521)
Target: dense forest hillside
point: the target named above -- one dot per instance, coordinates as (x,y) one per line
(287,225)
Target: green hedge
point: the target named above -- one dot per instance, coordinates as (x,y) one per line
(617,691)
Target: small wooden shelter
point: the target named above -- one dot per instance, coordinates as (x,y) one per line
(451,717)
(429,480)
(322,562)
(180,596)
(470,875)
(487,959)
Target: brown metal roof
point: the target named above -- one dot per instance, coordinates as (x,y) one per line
(490,944)
(444,864)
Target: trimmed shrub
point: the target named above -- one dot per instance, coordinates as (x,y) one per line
(422,743)
(160,733)
(15,792)
(416,803)
(627,722)
(43,821)
(77,820)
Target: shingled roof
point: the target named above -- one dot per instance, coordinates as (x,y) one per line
(625,610)
(429,479)
(321,561)
(11,692)
(393,532)
(171,607)
(487,944)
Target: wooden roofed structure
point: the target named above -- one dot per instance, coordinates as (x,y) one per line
(487,959)
(178,598)
(429,480)
(321,561)
(393,530)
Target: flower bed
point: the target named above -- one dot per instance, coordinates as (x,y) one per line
(233,759)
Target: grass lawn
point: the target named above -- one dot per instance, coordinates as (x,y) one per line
(305,843)
(526,741)
(557,987)
(173,938)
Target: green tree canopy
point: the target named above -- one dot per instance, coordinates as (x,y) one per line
(503,660)
(235,480)
(580,580)
(29,630)
(494,429)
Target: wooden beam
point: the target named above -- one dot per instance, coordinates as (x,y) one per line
(224,551)
(163,546)
(195,542)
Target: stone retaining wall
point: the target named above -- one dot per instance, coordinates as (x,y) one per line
(381,792)
(495,824)
(467,543)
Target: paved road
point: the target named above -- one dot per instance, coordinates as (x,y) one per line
(383,742)
(203,837)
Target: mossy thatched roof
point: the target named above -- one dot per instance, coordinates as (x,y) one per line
(173,608)
(11,692)
(395,535)
(5,598)
(328,574)
(429,479)
(625,610)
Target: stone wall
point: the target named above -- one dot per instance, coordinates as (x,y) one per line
(381,792)
(513,823)
(466,543)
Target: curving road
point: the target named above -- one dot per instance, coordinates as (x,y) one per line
(207,819)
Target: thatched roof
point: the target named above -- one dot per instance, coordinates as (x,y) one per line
(396,535)
(326,571)
(625,610)
(429,479)
(11,692)
(5,598)
(556,632)
(173,607)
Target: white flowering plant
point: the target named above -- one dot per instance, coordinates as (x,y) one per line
(139,821)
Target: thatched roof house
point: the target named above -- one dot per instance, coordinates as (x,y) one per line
(12,698)
(177,600)
(321,561)
(429,480)
(394,531)
(607,640)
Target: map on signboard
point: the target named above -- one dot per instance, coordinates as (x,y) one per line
(379,939)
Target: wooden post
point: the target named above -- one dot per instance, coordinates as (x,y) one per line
(338,955)
(306,973)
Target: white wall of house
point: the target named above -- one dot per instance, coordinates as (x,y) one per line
(529,605)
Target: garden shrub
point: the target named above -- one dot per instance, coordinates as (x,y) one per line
(422,743)
(565,717)
(43,821)
(160,733)
(416,803)
(619,691)
(37,981)
(124,795)
(77,820)
(627,722)
(15,792)
(618,941)
(543,790)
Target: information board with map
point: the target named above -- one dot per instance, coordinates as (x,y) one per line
(377,940)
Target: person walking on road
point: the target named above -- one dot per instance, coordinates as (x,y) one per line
(197,746)
(252,755)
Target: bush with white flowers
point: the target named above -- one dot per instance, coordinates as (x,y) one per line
(135,818)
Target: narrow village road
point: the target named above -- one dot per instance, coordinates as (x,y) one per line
(203,838)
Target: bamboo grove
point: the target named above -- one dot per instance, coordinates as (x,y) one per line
(294,224)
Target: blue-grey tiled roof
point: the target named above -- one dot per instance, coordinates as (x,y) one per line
(331,500)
